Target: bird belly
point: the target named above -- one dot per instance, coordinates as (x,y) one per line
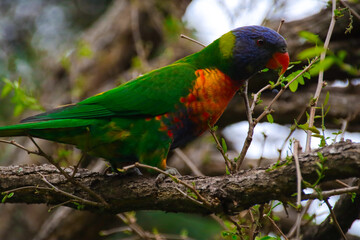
(201,107)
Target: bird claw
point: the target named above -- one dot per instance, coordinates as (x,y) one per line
(161,177)
(110,171)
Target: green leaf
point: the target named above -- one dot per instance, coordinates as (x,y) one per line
(310,37)
(294,85)
(310,52)
(314,130)
(324,65)
(317,135)
(223,144)
(301,80)
(270,118)
(304,126)
(307,75)
(326,98)
(341,55)
(7,88)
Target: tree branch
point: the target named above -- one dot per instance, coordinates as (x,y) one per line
(230,193)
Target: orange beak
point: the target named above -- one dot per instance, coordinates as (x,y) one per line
(279,60)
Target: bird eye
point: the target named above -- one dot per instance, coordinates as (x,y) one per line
(260,42)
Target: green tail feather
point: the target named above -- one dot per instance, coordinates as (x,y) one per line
(54,130)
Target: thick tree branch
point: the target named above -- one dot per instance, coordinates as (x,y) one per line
(230,193)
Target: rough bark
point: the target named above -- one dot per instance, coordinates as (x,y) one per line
(229,194)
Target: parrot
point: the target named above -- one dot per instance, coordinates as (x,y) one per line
(143,119)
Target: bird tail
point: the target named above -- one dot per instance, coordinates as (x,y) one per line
(62,130)
(14,130)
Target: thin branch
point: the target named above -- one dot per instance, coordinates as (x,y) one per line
(276,226)
(12,142)
(192,188)
(329,193)
(268,107)
(350,8)
(135,228)
(299,180)
(40,152)
(335,219)
(192,40)
(75,198)
(188,162)
(228,163)
(280,25)
(135,28)
(267,110)
(320,84)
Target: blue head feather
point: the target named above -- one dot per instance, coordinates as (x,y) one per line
(254,47)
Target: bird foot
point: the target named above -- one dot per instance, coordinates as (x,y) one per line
(110,171)
(161,177)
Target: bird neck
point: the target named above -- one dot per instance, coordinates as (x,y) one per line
(218,55)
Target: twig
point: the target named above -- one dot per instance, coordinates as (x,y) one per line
(303,212)
(139,46)
(76,167)
(276,226)
(67,176)
(136,228)
(293,127)
(335,219)
(267,110)
(12,142)
(192,188)
(299,180)
(250,132)
(192,40)
(188,162)
(320,78)
(351,10)
(26,188)
(188,197)
(220,148)
(334,192)
(342,183)
(280,25)
(237,225)
(75,198)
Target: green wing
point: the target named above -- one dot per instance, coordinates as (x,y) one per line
(152,94)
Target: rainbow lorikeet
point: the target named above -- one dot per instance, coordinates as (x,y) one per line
(143,119)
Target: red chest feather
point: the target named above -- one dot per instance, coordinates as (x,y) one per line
(209,97)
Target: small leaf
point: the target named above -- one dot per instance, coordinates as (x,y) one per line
(326,98)
(317,135)
(307,75)
(223,144)
(314,130)
(294,85)
(310,37)
(304,126)
(311,52)
(270,118)
(324,65)
(301,80)
(6,89)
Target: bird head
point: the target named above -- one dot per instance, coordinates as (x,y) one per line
(254,48)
